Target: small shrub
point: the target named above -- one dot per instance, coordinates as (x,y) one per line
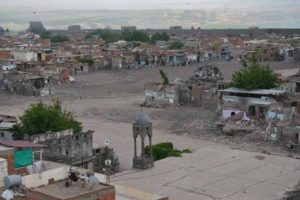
(186,151)
(174,154)
(164,150)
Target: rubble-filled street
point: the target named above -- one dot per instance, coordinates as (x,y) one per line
(108,102)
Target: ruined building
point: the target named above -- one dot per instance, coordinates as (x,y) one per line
(206,73)
(75,149)
(160,95)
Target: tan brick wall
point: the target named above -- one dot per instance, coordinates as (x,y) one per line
(11,167)
(110,196)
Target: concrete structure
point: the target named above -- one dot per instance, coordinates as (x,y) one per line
(68,148)
(76,191)
(292,55)
(25,56)
(59,173)
(206,73)
(6,123)
(142,127)
(14,149)
(159,95)
(254,102)
(36,26)
(217,172)
(3,170)
(2,31)
(101,154)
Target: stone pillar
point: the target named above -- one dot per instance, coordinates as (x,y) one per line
(143,146)
(150,144)
(257,112)
(135,147)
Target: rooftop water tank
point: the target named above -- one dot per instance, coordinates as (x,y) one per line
(12,181)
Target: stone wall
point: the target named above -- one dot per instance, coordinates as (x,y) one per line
(3,171)
(67,147)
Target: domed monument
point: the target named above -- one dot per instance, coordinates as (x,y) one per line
(142,127)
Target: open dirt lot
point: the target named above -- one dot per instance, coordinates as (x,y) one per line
(108,102)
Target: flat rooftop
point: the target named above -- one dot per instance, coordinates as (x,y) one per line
(59,191)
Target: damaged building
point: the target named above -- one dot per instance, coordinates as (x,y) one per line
(284,124)
(6,123)
(253,102)
(26,84)
(206,73)
(160,95)
(76,149)
(239,109)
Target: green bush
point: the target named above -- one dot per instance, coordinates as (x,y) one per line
(255,77)
(40,118)
(160,37)
(59,38)
(164,150)
(87,60)
(175,153)
(112,36)
(186,151)
(176,45)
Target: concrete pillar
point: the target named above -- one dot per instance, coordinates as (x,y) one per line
(143,146)
(150,144)
(257,112)
(135,148)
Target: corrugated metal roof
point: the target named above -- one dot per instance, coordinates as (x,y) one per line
(248,100)
(6,125)
(260,91)
(20,144)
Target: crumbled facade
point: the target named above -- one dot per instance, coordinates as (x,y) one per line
(159,95)
(75,149)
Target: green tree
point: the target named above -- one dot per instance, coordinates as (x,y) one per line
(160,37)
(176,45)
(40,118)
(254,58)
(59,38)
(140,36)
(106,34)
(164,77)
(255,77)
(87,60)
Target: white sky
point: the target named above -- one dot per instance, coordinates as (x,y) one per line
(142,4)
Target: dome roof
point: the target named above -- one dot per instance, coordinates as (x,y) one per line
(142,118)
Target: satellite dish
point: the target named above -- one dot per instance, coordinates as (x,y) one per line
(107,142)
(107,162)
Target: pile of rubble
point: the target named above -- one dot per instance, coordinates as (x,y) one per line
(206,73)
(236,124)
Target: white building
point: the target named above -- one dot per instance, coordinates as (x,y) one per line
(25,55)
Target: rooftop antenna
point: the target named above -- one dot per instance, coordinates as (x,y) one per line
(107,162)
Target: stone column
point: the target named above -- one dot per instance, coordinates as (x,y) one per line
(150,144)
(135,147)
(143,146)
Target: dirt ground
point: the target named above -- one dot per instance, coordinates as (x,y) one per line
(113,97)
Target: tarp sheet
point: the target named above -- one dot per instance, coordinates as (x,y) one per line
(23,158)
